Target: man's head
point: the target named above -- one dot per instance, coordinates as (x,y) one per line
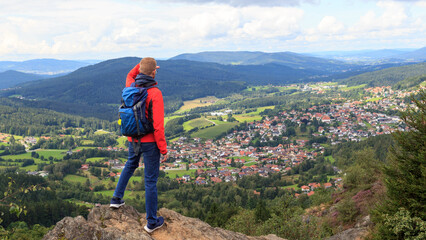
(148,66)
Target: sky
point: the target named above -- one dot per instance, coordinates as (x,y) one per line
(106,29)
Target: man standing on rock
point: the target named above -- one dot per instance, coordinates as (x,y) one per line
(152,145)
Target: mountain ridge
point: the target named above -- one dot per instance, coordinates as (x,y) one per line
(11,78)
(289,59)
(178,79)
(43,66)
(417,55)
(388,76)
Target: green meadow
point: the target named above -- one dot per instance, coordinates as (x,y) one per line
(102,132)
(75,179)
(95,159)
(180,173)
(352,87)
(213,132)
(55,153)
(199,102)
(196,123)
(374,99)
(251,116)
(122,142)
(294,186)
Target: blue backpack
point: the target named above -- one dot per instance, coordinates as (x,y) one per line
(133,120)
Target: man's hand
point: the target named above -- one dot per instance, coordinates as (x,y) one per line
(163,158)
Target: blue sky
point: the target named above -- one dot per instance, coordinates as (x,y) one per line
(104,29)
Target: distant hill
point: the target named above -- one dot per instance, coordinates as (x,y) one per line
(418,55)
(387,77)
(179,80)
(43,66)
(289,59)
(361,55)
(11,78)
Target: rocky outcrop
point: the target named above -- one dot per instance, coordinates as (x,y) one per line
(359,232)
(126,223)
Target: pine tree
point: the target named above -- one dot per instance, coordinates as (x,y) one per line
(405,176)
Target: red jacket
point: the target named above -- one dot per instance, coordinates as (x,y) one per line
(156,96)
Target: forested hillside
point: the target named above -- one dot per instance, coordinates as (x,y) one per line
(21,119)
(12,78)
(418,55)
(388,76)
(43,66)
(289,59)
(97,85)
(95,90)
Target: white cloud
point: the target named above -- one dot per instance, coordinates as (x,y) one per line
(271,23)
(109,28)
(394,15)
(330,25)
(60,29)
(421,3)
(244,3)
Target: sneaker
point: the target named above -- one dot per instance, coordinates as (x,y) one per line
(116,202)
(151,228)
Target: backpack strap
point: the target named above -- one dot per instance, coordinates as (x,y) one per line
(136,146)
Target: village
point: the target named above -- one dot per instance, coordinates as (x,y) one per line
(215,161)
(237,155)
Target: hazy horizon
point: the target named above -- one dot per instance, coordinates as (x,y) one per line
(110,28)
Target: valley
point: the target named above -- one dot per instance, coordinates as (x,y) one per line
(234,157)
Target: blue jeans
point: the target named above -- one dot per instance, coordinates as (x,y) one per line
(151,157)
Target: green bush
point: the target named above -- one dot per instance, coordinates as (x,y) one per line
(403,226)
(347,211)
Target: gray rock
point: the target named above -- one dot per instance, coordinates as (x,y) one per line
(358,232)
(126,223)
(365,222)
(351,234)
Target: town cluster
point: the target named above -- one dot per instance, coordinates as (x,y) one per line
(234,156)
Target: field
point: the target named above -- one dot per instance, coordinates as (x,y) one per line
(46,153)
(243,157)
(19,156)
(30,168)
(81,148)
(81,203)
(374,99)
(250,164)
(166,119)
(199,102)
(327,84)
(180,173)
(101,132)
(352,87)
(280,88)
(128,193)
(212,132)
(197,123)
(55,153)
(252,116)
(75,179)
(331,158)
(294,186)
(87,142)
(95,159)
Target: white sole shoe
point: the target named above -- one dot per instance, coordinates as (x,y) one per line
(116,205)
(152,230)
